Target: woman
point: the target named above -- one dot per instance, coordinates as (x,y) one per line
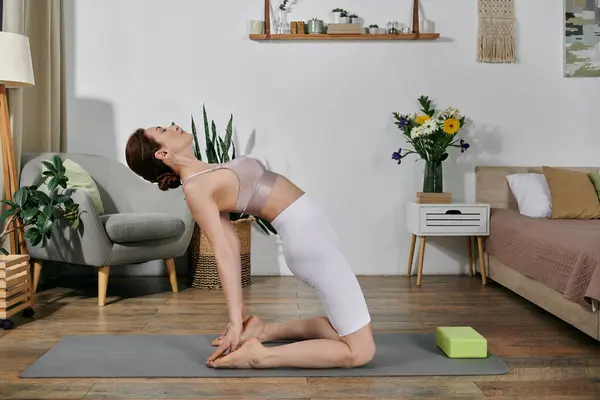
(344,338)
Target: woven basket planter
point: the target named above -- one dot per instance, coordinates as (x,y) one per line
(204,273)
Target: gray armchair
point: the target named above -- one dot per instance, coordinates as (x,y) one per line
(140,223)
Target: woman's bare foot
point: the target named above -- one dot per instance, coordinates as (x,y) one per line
(253,328)
(247,356)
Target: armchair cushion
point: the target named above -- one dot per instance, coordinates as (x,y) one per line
(141,227)
(79,178)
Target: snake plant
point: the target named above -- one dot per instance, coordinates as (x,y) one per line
(217,151)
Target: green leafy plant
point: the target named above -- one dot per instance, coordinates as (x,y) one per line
(217,152)
(39,210)
(373,26)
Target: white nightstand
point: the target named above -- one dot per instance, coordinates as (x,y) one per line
(453,219)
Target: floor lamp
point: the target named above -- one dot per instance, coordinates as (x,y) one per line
(16,71)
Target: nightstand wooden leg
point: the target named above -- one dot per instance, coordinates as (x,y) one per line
(470,255)
(482,260)
(411,255)
(421,256)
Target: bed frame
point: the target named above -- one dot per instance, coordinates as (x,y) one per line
(492,188)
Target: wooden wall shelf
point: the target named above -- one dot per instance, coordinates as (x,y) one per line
(358,37)
(367,37)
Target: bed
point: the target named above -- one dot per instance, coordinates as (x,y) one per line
(555,264)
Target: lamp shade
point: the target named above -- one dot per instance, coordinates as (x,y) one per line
(16,69)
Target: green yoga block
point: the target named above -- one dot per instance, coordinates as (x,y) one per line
(461,342)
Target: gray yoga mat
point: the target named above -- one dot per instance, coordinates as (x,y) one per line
(183,356)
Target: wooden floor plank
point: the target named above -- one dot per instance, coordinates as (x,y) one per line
(233,390)
(58,390)
(568,388)
(547,357)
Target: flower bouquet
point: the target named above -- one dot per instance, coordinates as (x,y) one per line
(431,137)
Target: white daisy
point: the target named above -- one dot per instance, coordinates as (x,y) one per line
(417,131)
(429,127)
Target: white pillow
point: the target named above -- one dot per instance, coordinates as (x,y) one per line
(532,194)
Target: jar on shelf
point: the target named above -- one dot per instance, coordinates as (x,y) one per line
(392,27)
(427,26)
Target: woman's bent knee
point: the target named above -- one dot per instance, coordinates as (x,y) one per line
(362,347)
(362,356)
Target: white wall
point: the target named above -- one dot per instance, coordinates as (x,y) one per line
(320,112)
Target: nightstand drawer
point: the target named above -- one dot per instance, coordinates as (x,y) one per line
(446,220)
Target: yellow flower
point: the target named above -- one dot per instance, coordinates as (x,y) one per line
(451,126)
(422,118)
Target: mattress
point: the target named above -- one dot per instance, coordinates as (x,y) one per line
(563,255)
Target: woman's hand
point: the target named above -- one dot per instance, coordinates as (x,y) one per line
(230,341)
(217,341)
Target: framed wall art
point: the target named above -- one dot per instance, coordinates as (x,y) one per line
(581,38)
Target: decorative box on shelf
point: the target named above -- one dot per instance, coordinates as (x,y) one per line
(16,294)
(345,29)
(297,28)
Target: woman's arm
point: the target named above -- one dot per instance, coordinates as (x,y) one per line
(206,214)
(234,242)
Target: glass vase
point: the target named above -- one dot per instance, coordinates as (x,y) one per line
(282,26)
(433,177)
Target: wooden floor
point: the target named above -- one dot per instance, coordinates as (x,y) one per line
(547,358)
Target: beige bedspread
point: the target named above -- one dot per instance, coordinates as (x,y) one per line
(561,254)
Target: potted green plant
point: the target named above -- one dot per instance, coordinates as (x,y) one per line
(336,14)
(344,17)
(32,214)
(35,211)
(373,28)
(204,266)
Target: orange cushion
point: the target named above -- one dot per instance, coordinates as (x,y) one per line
(573,194)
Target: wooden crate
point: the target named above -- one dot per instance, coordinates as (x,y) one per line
(15,285)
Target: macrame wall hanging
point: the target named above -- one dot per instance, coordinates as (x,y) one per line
(496,36)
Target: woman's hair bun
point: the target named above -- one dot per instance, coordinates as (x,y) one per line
(168,180)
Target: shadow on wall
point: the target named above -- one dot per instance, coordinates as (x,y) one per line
(485,149)
(91,122)
(92,129)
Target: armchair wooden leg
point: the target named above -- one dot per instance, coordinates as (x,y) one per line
(102,285)
(37,272)
(170,264)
